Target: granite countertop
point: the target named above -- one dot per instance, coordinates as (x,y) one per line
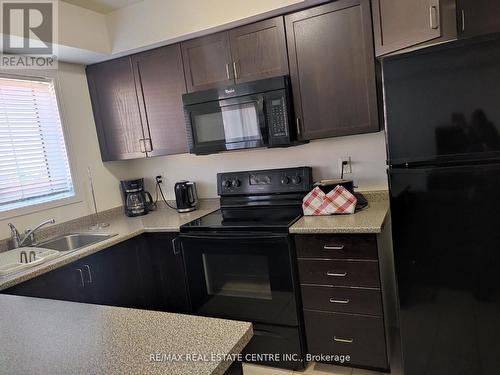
(42,336)
(163,219)
(368,220)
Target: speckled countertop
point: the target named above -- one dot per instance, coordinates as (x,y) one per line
(162,220)
(40,336)
(368,220)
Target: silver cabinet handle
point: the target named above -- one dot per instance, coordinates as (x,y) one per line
(148,145)
(463,20)
(81,277)
(337,274)
(89,280)
(32,253)
(142,145)
(433,19)
(340,301)
(333,247)
(175,248)
(25,257)
(298,126)
(235,69)
(338,339)
(227,71)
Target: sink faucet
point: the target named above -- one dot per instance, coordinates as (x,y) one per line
(19,240)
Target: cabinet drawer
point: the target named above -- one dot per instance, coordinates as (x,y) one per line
(339,273)
(360,337)
(342,300)
(337,247)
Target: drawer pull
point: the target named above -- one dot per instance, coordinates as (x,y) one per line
(341,301)
(333,247)
(338,339)
(336,274)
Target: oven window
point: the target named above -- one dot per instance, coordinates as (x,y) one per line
(241,122)
(238,275)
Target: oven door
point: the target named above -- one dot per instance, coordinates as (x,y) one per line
(241,277)
(227,124)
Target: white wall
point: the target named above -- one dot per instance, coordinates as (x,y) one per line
(367,152)
(171,20)
(83,149)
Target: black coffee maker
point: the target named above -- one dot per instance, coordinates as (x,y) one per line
(136,200)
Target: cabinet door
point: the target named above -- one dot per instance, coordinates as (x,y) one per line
(168,266)
(399,24)
(207,62)
(115,277)
(66,283)
(332,69)
(159,77)
(116,109)
(476,17)
(259,50)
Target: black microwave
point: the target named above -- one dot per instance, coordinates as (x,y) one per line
(245,115)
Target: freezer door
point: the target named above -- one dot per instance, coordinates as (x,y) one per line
(446,232)
(442,103)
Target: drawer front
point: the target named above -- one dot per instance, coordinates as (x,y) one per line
(337,246)
(339,273)
(360,337)
(342,300)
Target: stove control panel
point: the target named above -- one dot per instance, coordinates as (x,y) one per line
(270,181)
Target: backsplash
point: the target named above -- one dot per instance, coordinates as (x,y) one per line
(367,152)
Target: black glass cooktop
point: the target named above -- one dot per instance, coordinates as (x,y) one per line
(277,218)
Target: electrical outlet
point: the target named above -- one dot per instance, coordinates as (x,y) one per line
(159,179)
(345,165)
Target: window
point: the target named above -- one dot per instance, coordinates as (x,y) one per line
(34,164)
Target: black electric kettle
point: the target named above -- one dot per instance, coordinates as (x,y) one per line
(185,196)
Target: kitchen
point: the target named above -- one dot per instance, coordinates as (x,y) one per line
(184,160)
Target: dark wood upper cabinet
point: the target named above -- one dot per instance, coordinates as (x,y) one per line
(137,104)
(399,25)
(246,53)
(159,76)
(259,50)
(332,69)
(476,17)
(116,109)
(207,62)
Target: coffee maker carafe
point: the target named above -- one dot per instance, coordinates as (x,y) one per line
(136,200)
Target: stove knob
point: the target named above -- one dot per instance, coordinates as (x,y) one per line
(285,180)
(226,184)
(296,180)
(236,183)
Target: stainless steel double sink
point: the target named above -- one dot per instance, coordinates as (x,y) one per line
(73,241)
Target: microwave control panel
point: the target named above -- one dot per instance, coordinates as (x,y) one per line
(278,118)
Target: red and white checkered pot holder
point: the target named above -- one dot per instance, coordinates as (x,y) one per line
(337,201)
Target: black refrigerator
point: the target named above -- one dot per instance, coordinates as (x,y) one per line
(442,108)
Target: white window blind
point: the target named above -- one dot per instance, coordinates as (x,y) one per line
(34,164)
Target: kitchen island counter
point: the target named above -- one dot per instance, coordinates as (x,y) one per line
(42,336)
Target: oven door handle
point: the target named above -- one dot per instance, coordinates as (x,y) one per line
(228,236)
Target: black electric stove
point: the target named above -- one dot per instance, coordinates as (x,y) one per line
(247,219)
(240,261)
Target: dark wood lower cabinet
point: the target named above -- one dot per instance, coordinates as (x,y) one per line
(142,273)
(342,299)
(359,337)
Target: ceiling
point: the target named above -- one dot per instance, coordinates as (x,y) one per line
(102,6)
